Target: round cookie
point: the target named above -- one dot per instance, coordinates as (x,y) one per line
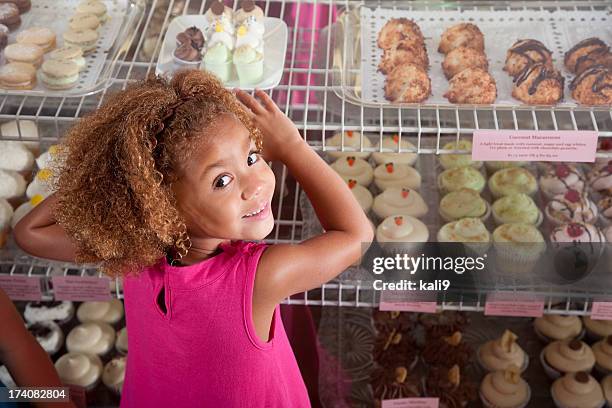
(84,21)
(41,36)
(93,7)
(17,75)
(85,39)
(407,83)
(57,74)
(74,54)
(26,53)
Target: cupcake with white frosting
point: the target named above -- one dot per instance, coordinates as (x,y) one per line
(114,374)
(121,344)
(469,231)
(571,206)
(84,370)
(597,329)
(460,177)
(352,168)
(502,354)
(606,385)
(12,185)
(603,355)
(557,327)
(518,247)
(60,312)
(401,234)
(450,161)
(25,130)
(110,312)
(352,142)
(516,208)
(567,356)
(399,201)
(15,156)
(389,175)
(25,208)
(577,390)
(505,389)
(91,338)
(464,203)
(50,158)
(390,148)
(560,178)
(6,214)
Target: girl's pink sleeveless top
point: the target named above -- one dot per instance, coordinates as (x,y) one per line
(202,351)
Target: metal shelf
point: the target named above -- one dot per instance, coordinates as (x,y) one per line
(306,94)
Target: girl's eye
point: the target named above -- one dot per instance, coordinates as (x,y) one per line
(253,157)
(222,181)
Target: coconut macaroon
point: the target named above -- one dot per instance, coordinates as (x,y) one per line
(85,39)
(58,74)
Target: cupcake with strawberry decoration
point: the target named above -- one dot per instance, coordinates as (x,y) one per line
(577,249)
(571,206)
(353,168)
(560,178)
(397,175)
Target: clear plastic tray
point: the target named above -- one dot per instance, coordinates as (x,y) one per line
(357,56)
(114,36)
(275,47)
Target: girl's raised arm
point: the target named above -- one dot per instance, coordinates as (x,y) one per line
(38,234)
(287,269)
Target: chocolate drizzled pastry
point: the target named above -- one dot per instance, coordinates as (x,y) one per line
(447,351)
(385,322)
(593,86)
(394,383)
(600,56)
(39,331)
(50,304)
(394,347)
(538,84)
(524,53)
(582,49)
(186,52)
(449,386)
(443,324)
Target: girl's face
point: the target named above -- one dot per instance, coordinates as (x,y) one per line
(225,191)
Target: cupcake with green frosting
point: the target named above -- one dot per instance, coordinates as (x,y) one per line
(450,161)
(218,60)
(511,181)
(516,208)
(493,166)
(464,203)
(249,65)
(460,177)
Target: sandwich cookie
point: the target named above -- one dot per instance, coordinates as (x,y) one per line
(94,7)
(58,74)
(28,53)
(17,75)
(85,39)
(84,21)
(74,54)
(41,36)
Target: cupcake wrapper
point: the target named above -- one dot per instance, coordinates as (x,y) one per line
(222,71)
(249,74)
(551,372)
(545,339)
(487,404)
(483,218)
(192,64)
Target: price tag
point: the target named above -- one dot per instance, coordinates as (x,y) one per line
(514,304)
(534,145)
(601,311)
(19,287)
(81,288)
(411,403)
(408,301)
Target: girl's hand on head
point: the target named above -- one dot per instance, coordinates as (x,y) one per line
(279,132)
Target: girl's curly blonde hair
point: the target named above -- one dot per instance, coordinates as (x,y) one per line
(114,187)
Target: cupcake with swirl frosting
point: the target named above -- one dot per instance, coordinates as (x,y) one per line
(91,338)
(502,353)
(399,201)
(577,232)
(361,194)
(516,208)
(505,389)
(571,206)
(352,141)
(603,355)
(560,178)
(557,327)
(84,370)
(392,143)
(566,356)
(577,390)
(469,231)
(518,247)
(460,177)
(512,181)
(390,174)
(596,329)
(352,168)
(401,234)
(463,203)
(450,161)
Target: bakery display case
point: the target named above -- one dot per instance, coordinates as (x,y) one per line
(339,88)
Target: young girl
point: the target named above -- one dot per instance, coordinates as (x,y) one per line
(163,185)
